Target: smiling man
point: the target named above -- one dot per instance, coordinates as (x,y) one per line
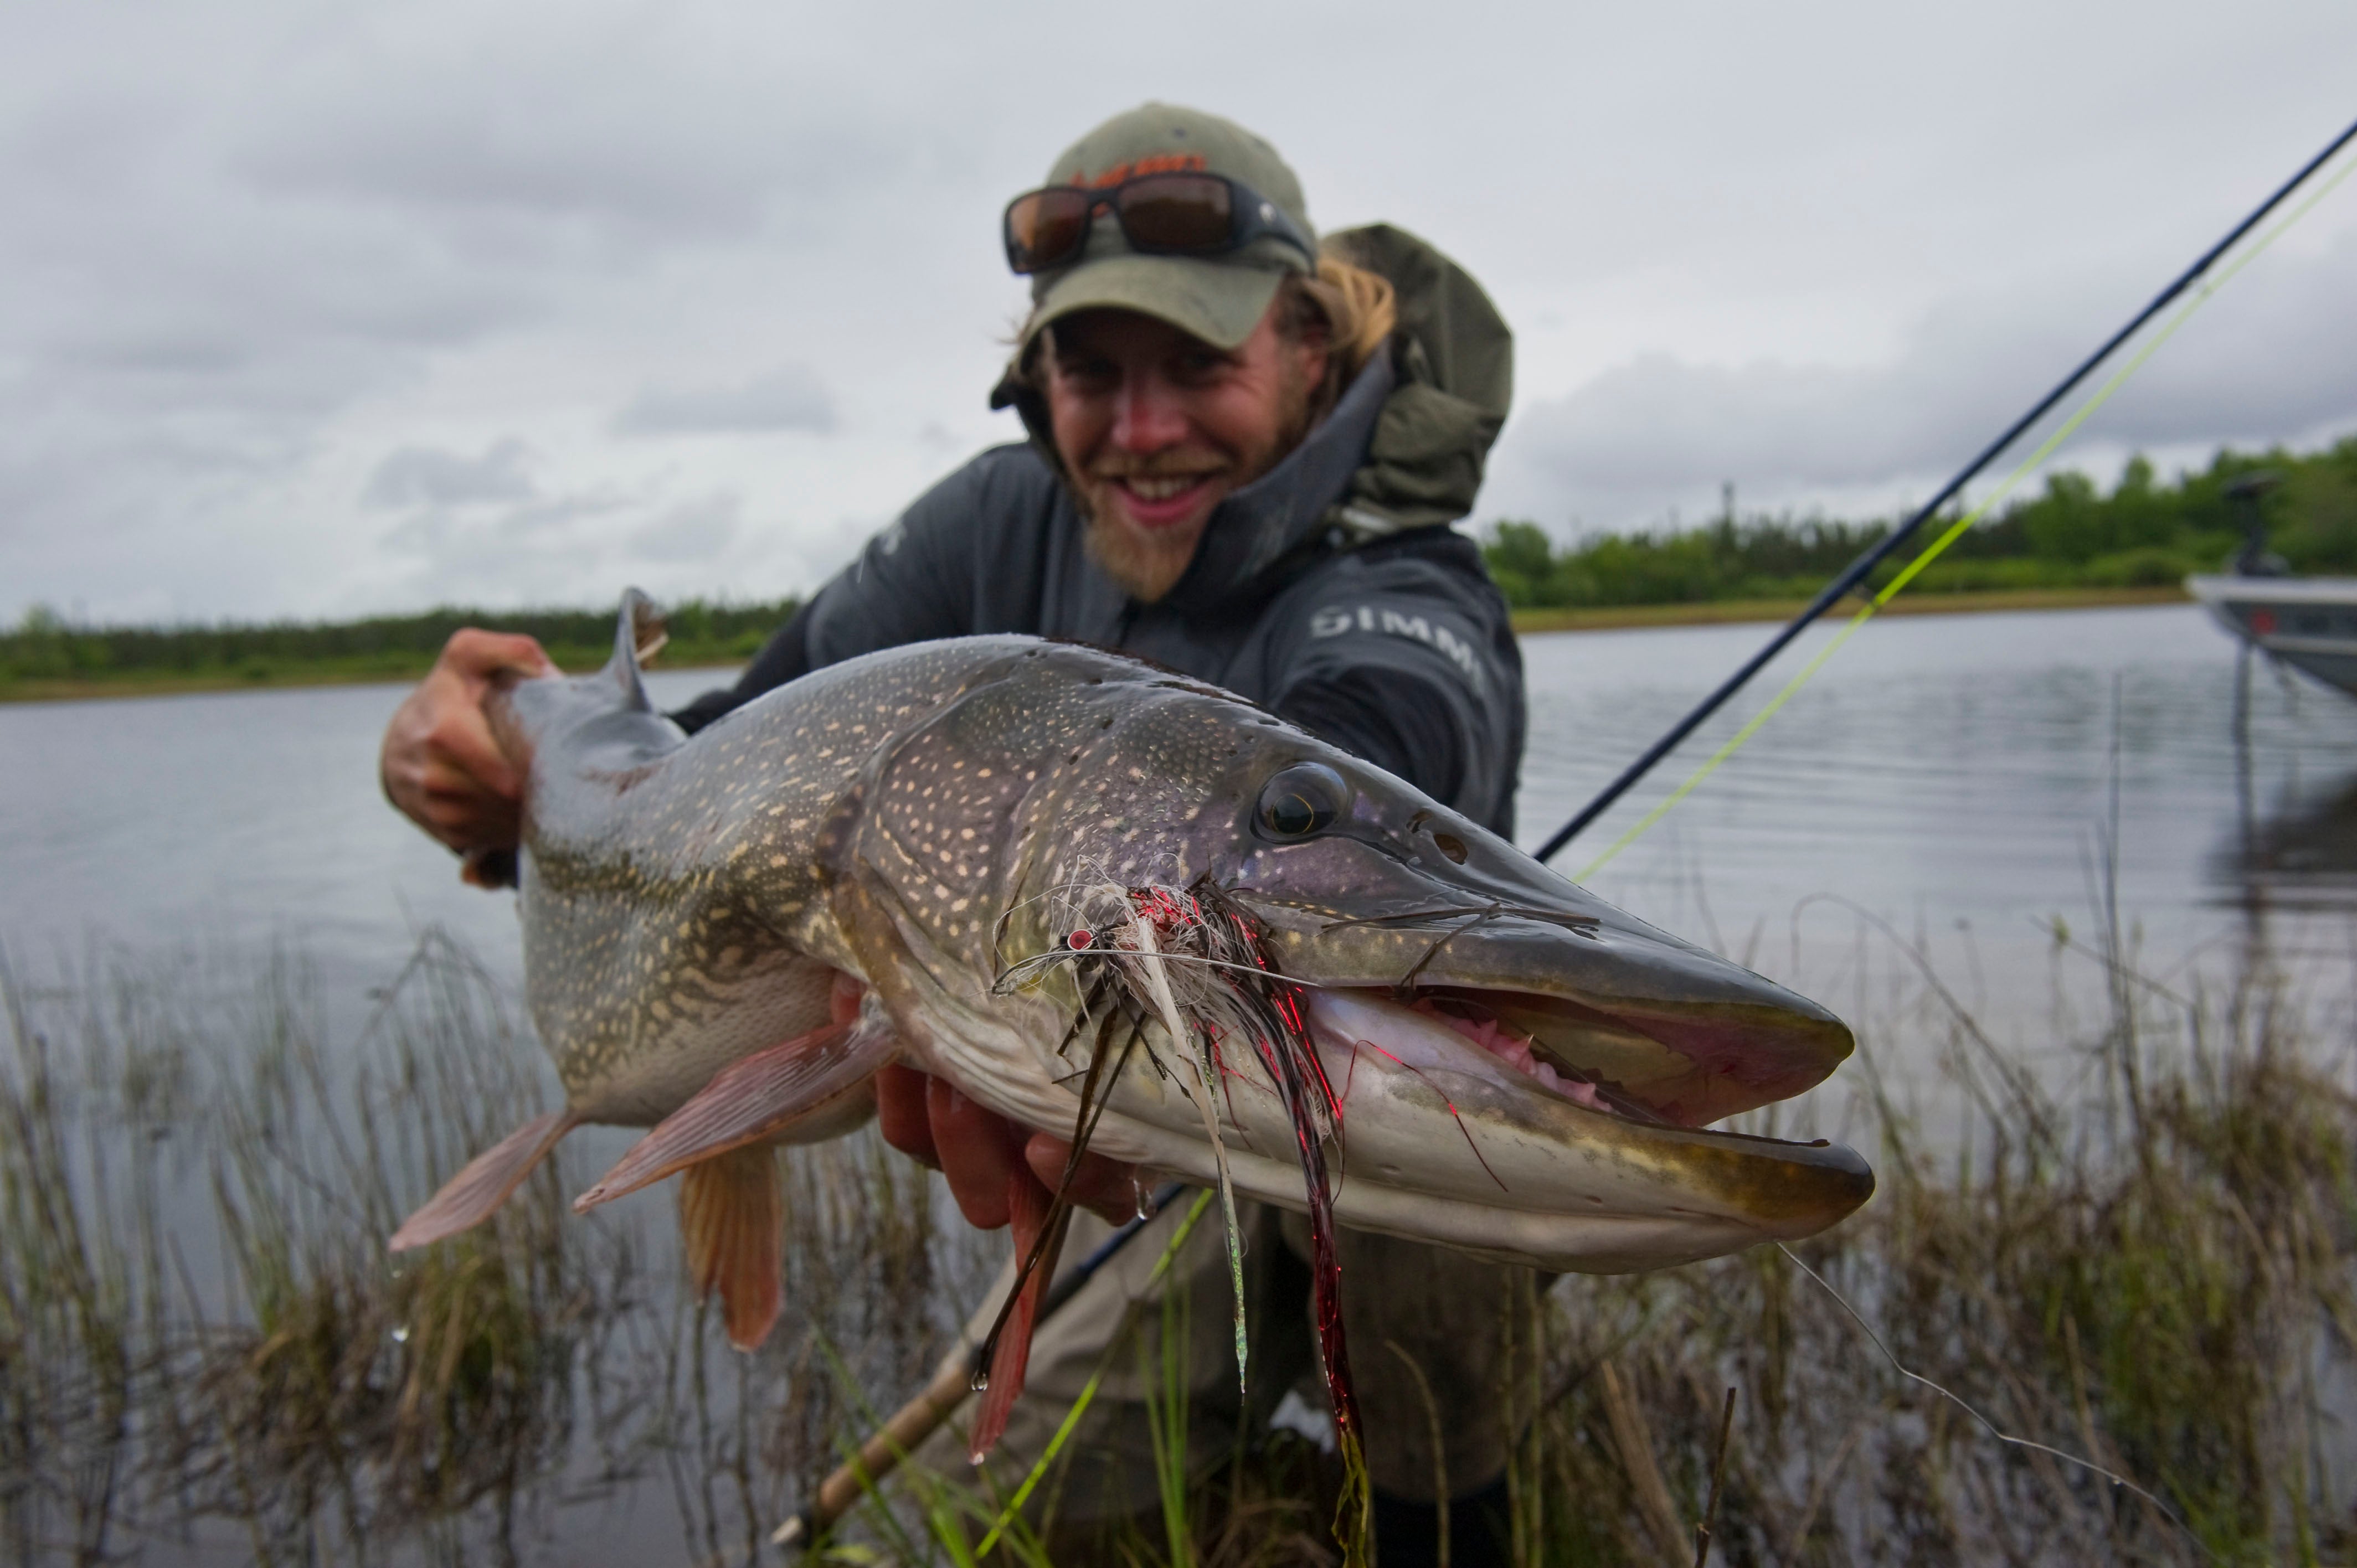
(1245,449)
(1156,427)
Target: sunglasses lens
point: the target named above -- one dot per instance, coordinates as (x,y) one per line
(1045,228)
(1178,212)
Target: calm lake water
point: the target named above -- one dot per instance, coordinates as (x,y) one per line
(1954,784)
(1958,777)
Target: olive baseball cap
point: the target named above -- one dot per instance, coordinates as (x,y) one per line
(1217,298)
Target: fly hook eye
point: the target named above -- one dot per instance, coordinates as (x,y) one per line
(1302,800)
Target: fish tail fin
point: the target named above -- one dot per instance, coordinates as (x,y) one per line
(468,1198)
(1033,1212)
(639,636)
(732,1210)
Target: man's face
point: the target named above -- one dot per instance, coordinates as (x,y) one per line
(1156,427)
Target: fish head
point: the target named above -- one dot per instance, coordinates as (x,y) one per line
(1361,883)
(1095,856)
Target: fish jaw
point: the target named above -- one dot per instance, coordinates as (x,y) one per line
(1575,1139)
(1433,1122)
(1420,902)
(1440,1141)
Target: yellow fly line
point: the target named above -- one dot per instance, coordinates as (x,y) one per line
(1955,530)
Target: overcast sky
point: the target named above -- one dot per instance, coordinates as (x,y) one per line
(310,310)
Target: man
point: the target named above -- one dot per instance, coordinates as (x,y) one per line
(1244,451)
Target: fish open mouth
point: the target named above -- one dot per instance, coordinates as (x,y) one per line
(1656,1030)
(1482,1018)
(1444,1094)
(1662,1064)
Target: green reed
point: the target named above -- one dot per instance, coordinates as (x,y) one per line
(203,1340)
(2155,1275)
(2150,1268)
(2142,1257)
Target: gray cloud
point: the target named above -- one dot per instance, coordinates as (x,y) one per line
(256,247)
(1661,428)
(697,531)
(484,132)
(789,398)
(426,475)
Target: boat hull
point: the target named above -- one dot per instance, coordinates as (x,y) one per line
(2309,623)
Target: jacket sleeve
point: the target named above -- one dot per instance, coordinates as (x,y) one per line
(912,583)
(1408,660)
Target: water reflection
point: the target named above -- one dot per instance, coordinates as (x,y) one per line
(2302,856)
(2300,853)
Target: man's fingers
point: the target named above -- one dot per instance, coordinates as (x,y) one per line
(440,764)
(1106,1187)
(978,1150)
(460,743)
(478,655)
(900,1113)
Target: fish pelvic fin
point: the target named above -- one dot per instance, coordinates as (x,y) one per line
(468,1198)
(639,636)
(1034,1215)
(732,1212)
(750,1102)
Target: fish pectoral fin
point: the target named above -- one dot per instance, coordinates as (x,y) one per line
(468,1198)
(749,1100)
(733,1215)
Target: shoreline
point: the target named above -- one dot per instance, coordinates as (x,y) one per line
(1727,612)
(1527,623)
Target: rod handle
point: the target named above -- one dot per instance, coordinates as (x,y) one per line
(880,1454)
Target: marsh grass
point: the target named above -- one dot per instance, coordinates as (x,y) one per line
(2140,1253)
(2151,1270)
(2143,1255)
(206,1353)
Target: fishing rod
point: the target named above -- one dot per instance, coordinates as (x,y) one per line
(1857,570)
(922,1416)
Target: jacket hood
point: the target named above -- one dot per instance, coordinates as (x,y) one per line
(1404,447)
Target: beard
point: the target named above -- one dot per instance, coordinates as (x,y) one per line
(1148,564)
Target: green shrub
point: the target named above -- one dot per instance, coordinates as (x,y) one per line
(2144,533)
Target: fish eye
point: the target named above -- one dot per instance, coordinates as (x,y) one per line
(1302,800)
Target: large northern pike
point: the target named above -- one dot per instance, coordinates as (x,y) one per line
(1105,900)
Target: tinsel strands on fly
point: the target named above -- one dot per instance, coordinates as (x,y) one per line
(1289,1055)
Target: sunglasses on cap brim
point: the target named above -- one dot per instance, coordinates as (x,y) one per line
(1171,214)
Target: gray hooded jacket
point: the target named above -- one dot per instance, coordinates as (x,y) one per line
(1331,590)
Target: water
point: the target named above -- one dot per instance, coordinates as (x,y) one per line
(1952,783)
(1961,778)
(1967,780)
(231,823)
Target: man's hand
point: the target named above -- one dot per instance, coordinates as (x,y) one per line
(979,1150)
(440,765)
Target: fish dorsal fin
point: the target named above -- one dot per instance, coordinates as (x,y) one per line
(639,635)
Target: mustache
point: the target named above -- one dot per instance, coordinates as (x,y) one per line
(1153,465)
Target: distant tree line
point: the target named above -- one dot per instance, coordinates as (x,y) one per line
(45,646)
(2143,533)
